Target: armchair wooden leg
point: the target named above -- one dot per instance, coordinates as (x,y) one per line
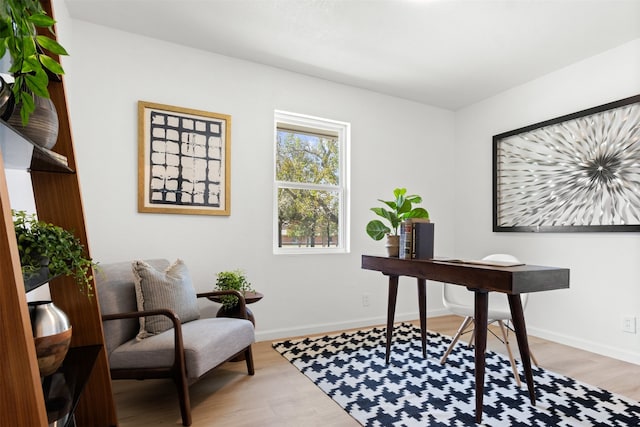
(248,356)
(185,402)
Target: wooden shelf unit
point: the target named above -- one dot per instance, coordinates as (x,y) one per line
(58,200)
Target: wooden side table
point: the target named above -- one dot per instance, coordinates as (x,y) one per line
(249,297)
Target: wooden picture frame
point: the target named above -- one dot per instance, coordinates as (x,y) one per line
(575,173)
(184,158)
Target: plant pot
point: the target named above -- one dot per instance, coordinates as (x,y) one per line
(51,333)
(37,278)
(6,98)
(393,246)
(42,128)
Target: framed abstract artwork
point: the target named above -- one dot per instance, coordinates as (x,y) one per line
(183,160)
(579,172)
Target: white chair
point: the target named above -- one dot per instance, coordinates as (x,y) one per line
(460,301)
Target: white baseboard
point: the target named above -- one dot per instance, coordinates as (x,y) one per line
(594,347)
(320,328)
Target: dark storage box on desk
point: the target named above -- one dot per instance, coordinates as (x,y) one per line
(416,239)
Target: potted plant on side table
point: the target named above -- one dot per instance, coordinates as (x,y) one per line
(235,280)
(399,209)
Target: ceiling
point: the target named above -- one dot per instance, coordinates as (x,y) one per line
(445,53)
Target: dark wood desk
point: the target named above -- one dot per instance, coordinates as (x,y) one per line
(481,279)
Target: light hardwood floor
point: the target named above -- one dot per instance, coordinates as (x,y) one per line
(279,395)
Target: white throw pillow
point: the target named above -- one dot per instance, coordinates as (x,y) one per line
(169,289)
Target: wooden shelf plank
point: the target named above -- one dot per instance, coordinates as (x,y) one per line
(58,200)
(21,398)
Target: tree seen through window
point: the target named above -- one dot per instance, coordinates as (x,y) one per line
(308,176)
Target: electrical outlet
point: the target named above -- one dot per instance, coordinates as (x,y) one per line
(629,324)
(365,300)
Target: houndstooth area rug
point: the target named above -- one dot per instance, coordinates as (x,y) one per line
(412,391)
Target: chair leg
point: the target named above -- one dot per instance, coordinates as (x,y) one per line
(185,402)
(533,358)
(248,356)
(513,362)
(461,329)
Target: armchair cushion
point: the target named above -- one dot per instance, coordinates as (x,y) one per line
(224,336)
(168,289)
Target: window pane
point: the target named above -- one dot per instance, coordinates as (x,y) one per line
(307,218)
(307,158)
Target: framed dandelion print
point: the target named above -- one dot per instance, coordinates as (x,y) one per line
(579,172)
(183,160)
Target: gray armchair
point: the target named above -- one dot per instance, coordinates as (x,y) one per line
(184,353)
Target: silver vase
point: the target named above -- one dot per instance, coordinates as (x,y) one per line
(52,335)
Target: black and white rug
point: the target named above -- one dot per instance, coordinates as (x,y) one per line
(412,391)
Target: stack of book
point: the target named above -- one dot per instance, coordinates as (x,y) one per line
(416,239)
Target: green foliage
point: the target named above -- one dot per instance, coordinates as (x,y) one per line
(400,209)
(307,213)
(40,242)
(232,280)
(19,21)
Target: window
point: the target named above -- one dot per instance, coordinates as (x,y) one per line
(311,184)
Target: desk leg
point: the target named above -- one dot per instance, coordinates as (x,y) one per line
(422,305)
(481,314)
(517,314)
(391,312)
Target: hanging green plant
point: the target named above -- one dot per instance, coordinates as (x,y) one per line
(44,244)
(30,62)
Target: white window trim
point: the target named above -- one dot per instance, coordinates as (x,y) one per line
(333,127)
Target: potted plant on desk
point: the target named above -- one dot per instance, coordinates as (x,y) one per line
(400,209)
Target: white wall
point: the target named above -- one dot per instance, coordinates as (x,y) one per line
(605,267)
(394,143)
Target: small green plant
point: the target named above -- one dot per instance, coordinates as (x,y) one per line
(401,208)
(232,280)
(41,243)
(19,21)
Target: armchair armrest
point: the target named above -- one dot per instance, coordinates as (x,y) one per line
(241,301)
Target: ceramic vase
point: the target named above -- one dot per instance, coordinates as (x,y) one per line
(42,128)
(52,335)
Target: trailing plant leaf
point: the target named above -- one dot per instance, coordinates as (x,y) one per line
(51,45)
(38,82)
(41,20)
(51,65)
